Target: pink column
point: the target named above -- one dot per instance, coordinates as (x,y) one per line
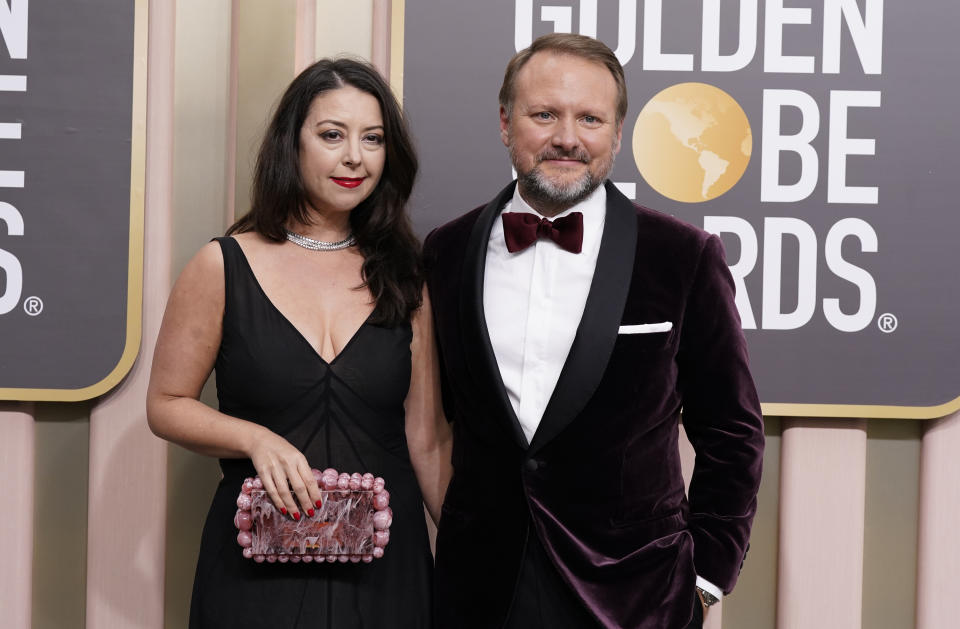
(822,489)
(229,210)
(305,49)
(128,471)
(938,556)
(16,525)
(381,36)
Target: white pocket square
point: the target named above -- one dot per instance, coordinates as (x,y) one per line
(646,328)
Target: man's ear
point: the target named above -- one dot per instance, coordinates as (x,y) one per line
(504,126)
(616,146)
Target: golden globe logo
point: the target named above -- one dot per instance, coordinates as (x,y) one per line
(837,232)
(13,29)
(72,125)
(692,142)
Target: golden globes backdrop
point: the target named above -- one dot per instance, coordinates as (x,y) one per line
(815,137)
(72,103)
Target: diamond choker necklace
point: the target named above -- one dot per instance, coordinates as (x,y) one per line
(320,245)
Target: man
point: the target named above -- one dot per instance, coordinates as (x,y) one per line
(573,327)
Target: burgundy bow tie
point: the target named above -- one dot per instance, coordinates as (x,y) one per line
(521,229)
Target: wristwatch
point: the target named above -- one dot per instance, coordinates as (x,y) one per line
(706,598)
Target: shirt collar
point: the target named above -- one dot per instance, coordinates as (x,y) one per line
(594,207)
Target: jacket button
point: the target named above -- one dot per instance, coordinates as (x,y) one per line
(532,465)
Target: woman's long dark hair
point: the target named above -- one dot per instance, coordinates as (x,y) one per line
(391,252)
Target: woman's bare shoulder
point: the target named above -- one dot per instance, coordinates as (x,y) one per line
(254,244)
(206,265)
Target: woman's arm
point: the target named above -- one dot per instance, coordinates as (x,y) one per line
(185,354)
(429,437)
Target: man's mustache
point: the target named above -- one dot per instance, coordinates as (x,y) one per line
(579,155)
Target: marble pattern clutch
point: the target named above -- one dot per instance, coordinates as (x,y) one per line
(352,523)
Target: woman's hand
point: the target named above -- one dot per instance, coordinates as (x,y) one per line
(282,468)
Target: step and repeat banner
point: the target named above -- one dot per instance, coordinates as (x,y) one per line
(817,138)
(72,124)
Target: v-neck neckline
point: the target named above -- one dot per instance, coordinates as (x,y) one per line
(296,330)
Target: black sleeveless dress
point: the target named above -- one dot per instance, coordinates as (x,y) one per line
(347,414)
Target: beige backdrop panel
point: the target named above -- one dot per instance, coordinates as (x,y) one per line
(201,103)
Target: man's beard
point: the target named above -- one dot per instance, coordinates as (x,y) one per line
(546,195)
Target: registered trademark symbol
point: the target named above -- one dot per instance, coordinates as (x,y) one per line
(887,323)
(33,306)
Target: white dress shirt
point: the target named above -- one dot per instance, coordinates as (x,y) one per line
(533,301)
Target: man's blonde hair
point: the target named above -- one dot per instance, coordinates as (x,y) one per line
(566,44)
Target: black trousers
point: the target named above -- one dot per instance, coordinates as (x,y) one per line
(543,600)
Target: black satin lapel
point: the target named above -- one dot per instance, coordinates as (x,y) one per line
(597,332)
(476,339)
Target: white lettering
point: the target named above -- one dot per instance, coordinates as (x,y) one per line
(626,188)
(13,83)
(588,18)
(523,24)
(562,18)
(12,217)
(712,60)
(748,259)
(626,31)
(8,262)
(853,274)
(777,16)
(866,31)
(653,56)
(840,146)
(13,27)
(10,130)
(11,178)
(775,228)
(864,27)
(773,143)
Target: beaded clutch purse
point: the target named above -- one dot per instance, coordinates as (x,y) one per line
(352,523)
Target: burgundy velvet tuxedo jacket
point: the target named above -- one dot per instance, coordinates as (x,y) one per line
(600,484)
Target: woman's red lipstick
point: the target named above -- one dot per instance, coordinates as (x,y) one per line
(348,182)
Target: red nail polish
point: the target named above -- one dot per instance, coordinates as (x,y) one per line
(296,516)
(319,503)
(283,510)
(310,512)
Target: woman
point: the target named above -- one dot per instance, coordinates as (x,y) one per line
(311,312)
